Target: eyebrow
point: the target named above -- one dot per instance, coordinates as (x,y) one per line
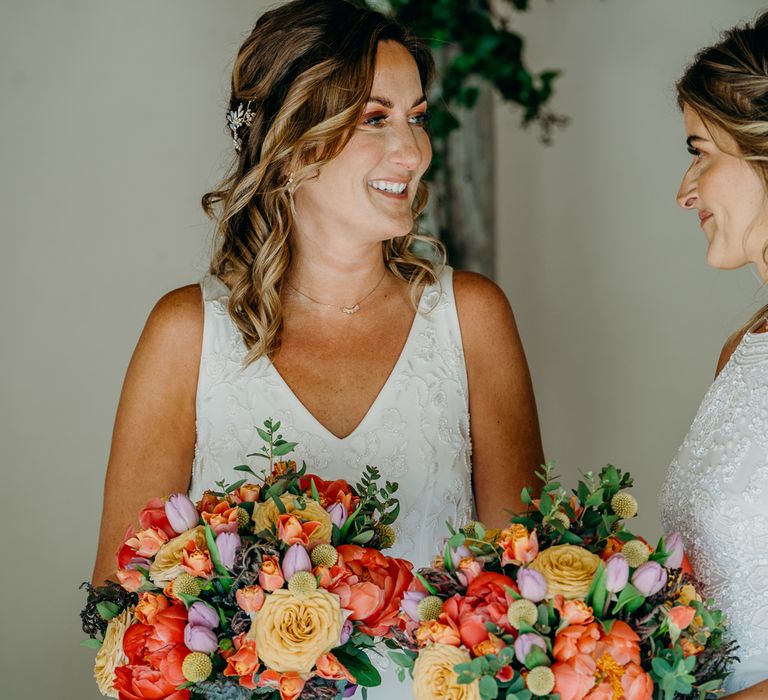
(691,139)
(384,102)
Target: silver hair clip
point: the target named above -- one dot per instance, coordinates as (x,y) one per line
(242,116)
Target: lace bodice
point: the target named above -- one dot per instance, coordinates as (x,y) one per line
(716,495)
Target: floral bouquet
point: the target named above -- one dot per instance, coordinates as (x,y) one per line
(566,604)
(273,588)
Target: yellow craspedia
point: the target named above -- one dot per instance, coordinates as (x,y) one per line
(522,610)
(196,667)
(636,553)
(563,518)
(186,584)
(540,680)
(324,555)
(243,518)
(429,608)
(302,583)
(624,505)
(386,535)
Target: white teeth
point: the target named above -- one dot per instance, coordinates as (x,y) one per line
(384,186)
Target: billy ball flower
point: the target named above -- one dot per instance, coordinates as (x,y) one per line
(196,667)
(302,583)
(624,505)
(324,555)
(540,680)
(636,553)
(186,584)
(522,611)
(429,608)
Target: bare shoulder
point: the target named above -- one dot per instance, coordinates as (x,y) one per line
(176,322)
(483,309)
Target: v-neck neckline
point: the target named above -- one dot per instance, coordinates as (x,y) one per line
(401,359)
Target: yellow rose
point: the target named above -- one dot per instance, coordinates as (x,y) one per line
(111,655)
(265,516)
(568,569)
(292,633)
(167,564)
(435,679)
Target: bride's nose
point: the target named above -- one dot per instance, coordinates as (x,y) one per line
(686,194)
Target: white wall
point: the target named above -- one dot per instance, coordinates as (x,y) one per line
(112,117)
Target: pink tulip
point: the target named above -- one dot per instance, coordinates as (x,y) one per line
(459,553)
(181,513)
(649,578)
(525,642)
(200,638)
(338,513)
(296,559)
(346,632)
(616,573)
(410,603)
(228,543)
(532,585)
(674,545)
(203,615)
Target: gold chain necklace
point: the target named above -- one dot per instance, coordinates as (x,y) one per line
(349,310)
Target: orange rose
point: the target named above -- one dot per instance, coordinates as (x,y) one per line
(690,648)
(330,492)
(681,616)
(244,662)
(130,579)
(154,515)
(292,530)
(612,546)
(149,605)
(250,599)
(576,640)
(492,645)
(576,612)
(196,561)
(328,666)
(518,545)
(223,518)
(575,677)
(636,683)
(247,493)
(290,686)
(622,643)
(357,572)
(270,575)
(208,503)
(436,632)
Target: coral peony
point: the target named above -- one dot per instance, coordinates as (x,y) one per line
(576,640)
(575,677)
(145,683)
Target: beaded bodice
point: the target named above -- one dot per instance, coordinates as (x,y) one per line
(716,495)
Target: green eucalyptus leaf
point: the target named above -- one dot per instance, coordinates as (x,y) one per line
(107,610)
(91,643)
(488,687)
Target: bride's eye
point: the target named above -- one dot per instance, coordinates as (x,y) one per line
(695,152)
(374,120)
(421,119)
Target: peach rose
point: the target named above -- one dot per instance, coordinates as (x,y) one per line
(575,677)
(330,492)
(196,561)
(110,654)
(291,633)
(250,599)
(149,605)
(223,518)
(146,543)
(266,515)
(290,686)
(569,570)
(270,575)
(435,679)
(328,666)
(168,561)
(247,493)
(436,632)
(292,530)
(575,612)
(518,545)
(492,645)
(130,579)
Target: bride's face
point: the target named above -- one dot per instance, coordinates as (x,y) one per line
(728,195)
(365,194)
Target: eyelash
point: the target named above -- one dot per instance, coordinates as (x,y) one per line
(378,119)
(695,152)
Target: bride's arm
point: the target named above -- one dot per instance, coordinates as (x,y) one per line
(758,691)
(506,442)
(154,436)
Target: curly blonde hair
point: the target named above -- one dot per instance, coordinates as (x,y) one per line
(306,72)
(727,86)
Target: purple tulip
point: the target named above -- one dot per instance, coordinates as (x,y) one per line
(410,602)
(674,545)
(181,513)
(202,615)
(350,691)
(200,638)
(649,578)
(525,642)
(346,632)
(338,513)
(461,552)
(228,543)
(616,573)
(296,559)
(532,584)
(137,562)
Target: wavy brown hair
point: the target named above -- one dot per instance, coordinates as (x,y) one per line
(727,86)
(306,72)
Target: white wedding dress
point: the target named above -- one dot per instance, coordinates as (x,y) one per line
(416,431)
(716,496)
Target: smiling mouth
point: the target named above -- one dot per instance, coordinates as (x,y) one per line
(394,190)
(704,216)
